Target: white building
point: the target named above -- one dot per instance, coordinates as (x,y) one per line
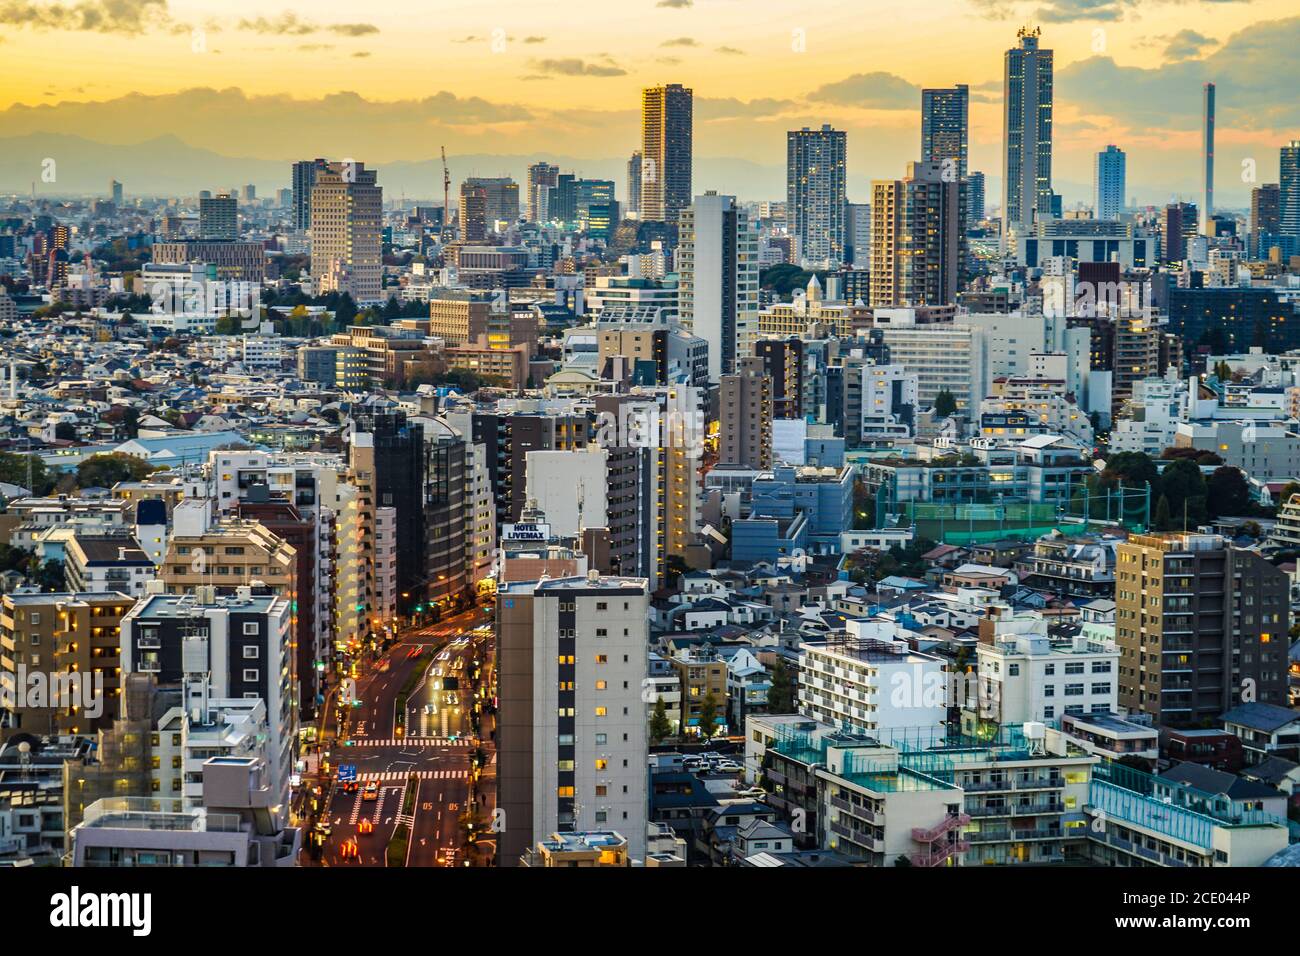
(717,262)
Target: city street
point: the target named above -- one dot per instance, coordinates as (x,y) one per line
(416,764)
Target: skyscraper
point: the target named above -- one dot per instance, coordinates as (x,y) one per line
(347,205)
(666,152)
(501,194)
(1289,190)
(1265,216)
(541,180)
(304,178)
(634,184)
(1178,224)
(945,127)
(473,212)
(1207,148)
(814,190)
(915,238)
(975,203)
(1026,133)
(219,218)
(1108,174)
(115,191)
(717,262)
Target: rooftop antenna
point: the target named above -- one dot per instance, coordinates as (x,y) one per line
(446,195)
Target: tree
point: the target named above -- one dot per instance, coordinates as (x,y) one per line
(780,696)
(945,404)
(660,728)
(1162,521)
(65,431)
(1184,485)
(708,716)
(1227,493)
(1133,469)
(104,471)
(13,471)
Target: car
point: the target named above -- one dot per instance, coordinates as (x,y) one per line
(365,826)
(371,792)
(728,766)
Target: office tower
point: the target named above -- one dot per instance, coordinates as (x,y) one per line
(1108,174)
(717,265)
(745,416)
(115,191)
(473,213)
(1026,134)
(347,206)
(975,198)
(571,731)
(916,241)
(857,235)
(564,198)
(1207,150)
(666,152)
(250,192)
(1199,623)
(945,127)
(594,206)
(219,218)
(501,195)
(541,180)
(304,178)
(1265,217)
(634,185)
(814,190)
(1289,190)
(388,464)
(1177,225)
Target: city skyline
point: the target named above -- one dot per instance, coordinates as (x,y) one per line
(502,96)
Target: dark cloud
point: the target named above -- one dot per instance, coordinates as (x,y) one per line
(681,41)
(531,40)
(88,16)
(883,91)
(730,51)
(676,4)
(572,66)
(290,24)
(1186,44)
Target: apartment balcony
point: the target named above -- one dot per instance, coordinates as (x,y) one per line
(1039,783)
(985,786)
(861,812)
(863,838)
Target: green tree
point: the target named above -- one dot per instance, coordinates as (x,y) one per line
(945,404)
(1227,493)
(104,471)
(13,471)
(1162,520)
(660,727)
(1184,485)
(780,696)
(708,716)
(1133,469)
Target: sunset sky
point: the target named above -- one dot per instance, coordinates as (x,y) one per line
(392,81)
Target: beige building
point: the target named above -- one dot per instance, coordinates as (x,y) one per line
(916,238)
(346,225)
(225,553)
(745,416)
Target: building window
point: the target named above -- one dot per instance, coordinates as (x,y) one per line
(250,675)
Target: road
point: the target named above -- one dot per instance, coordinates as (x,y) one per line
(418,759)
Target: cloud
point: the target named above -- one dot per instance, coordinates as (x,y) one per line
(1071,11)
(1254,71)
(290,24)
(676,4)
(531,40)
(730,51)
(731,108)
(883,91)
(681,41)
(88,16)
(1186,44)
(572,66)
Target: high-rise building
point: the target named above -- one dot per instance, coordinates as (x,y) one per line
(814,190)
(219,218)
(347,205)
(916,239)
(501,197)
(1207,150)
(304,178)
(945,127)
(1199,624)
(975,197)
(115,192)
(1108,183)
(1177,225)
(596,210)
(666,151)
(634,185)
(1265,216)
(473,213)
(541,180)
(1026,134)
(745,416)
(1289,190)
(717,265)
(571,737)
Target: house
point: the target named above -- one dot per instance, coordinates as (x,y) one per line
(1243,795)
(1266,730)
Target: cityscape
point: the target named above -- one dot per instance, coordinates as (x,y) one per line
(851,438)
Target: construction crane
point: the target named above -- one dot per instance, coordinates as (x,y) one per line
(446,197)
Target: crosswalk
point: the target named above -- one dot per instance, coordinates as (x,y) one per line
(389,776)
(410,741)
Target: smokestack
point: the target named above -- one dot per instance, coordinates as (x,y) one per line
(1207,200)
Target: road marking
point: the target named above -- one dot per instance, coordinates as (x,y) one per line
(413,741)
(388,776)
